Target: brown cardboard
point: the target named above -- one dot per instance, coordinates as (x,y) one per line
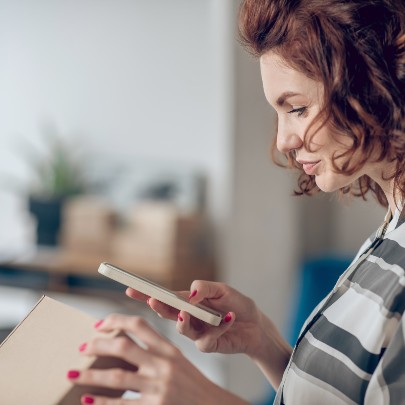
(87,225)
(36,356)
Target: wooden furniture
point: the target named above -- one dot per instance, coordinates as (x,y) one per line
(157,242)
(59,264)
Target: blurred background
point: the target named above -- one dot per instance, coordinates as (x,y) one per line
(137,132)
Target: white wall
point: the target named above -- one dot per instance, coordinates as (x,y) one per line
(124,79)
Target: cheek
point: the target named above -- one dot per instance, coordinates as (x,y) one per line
(336,143)
(320,139)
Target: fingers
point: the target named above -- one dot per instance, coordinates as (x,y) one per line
(114,378)
(142,331)
(121,347)
(149,364)
(206,337)
(136,295)
(208,342)
(185,326)
(200,290)
(163,310)
(96,400)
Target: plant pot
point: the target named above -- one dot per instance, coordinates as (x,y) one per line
(48,212)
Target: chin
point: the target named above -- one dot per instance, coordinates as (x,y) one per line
(330,184)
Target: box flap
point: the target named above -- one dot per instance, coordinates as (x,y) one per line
(36,356)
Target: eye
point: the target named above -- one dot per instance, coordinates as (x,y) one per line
(299,111)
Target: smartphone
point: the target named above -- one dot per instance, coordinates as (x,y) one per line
(162,294)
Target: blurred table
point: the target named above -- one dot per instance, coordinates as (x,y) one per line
(58,269)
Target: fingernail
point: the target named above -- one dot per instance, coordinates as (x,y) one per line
(228,317)
(88,400)
(98,323)
(179,317)
(193,294)
(148,301)
(82,347)
(73,374)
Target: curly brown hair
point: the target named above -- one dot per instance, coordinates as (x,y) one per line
(356,49)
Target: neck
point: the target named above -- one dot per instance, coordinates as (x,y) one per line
(393,197)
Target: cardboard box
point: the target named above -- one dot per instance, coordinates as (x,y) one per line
(36,356)
(87,225)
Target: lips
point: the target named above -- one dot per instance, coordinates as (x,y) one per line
(309,167)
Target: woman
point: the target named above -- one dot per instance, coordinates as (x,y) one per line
(334,71)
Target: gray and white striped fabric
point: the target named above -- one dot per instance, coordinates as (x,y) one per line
(355,352)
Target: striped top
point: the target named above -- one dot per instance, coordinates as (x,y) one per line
(354,353)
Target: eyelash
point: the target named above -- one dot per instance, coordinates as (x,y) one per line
(300,111)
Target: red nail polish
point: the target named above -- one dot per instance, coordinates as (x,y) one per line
(180,318)
(82,347)
(228,317)
(73,374)
(193,294)
(88,400)
(98,323)
(148,301)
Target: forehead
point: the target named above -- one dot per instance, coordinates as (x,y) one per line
(278,78)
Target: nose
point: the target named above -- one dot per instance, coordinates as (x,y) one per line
(288,140)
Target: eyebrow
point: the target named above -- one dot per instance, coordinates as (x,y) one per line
(281,100)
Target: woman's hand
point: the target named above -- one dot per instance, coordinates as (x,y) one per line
(244,329)
(163,375)
(239,331)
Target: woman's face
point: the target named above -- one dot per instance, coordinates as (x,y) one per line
(297,99)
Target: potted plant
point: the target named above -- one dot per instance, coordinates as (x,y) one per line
(56,176)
